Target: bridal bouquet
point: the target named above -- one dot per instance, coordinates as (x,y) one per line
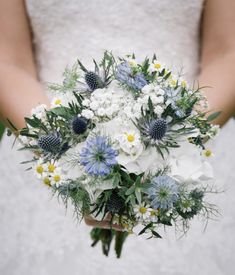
(125,140)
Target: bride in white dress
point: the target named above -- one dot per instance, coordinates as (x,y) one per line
(36,236)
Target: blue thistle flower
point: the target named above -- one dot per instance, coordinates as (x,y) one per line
(125,75)
(158,128)
(139,81)
(173,95)
(98,156)
(163,192)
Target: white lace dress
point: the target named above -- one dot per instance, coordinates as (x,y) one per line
(36,236)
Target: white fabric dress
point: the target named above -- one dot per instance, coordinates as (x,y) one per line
(37,237)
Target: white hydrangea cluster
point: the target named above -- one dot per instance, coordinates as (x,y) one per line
(105,103)
(39,112)
(156,94)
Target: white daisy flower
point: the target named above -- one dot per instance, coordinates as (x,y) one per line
(46,180)
(40,169)
(183,83)
(129,141)
(56,102)
(57,177)
(52,166)
(142,212)
(156,66)
(132,62)
(153,215)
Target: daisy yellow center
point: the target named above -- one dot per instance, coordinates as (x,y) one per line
(47,181)
(153,213)
(58,101)
(173,82)
(51,168)
(57,178)
(143,210)
(157,65)
(208,153)
(39,169)
(132,63)
(130,138)
(183,83)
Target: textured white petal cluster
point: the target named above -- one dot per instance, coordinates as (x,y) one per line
(105,103)
(188,166)
(39,111)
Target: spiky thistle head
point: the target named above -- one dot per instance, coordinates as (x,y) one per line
(115,203)
(157,128)
(93,81)
(79,125)
(49,143)
(102,74)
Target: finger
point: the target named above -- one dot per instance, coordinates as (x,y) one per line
(102,224)
(108,217)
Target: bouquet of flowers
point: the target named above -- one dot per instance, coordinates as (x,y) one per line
(127,140)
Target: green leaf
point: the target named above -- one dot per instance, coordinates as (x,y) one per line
(2,129)
(116,180)
(119,241)
(213,116)
(156,234)
(130,190)
(12,125)
(60,111)
(82,66)
(35,123)
(145,228)
(138,195)
(167,76)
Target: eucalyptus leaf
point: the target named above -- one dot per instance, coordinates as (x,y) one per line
(130,190)
(213,116)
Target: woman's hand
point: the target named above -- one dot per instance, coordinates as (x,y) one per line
(102,224)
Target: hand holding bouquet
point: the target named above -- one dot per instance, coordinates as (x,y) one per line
(125,140)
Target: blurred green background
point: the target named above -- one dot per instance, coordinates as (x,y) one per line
(2,129)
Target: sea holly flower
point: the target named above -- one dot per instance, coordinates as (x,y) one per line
(98,156)
(163,192)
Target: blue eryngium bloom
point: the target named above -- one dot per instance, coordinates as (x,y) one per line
(98,156)
(173,95)
(163,192)
(125,75)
